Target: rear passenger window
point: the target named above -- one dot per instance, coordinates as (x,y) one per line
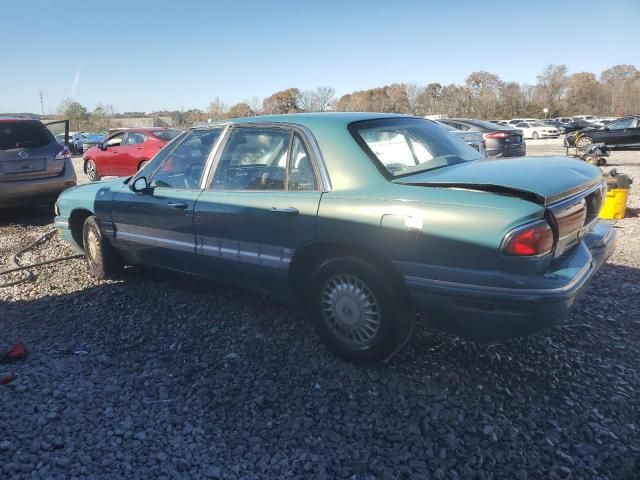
(253,159)
(300,172)
(135,138)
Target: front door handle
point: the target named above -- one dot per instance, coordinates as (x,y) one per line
(286,210)
(180,205)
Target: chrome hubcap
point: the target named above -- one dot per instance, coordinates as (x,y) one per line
(92,246)
(91,171)
(350,310)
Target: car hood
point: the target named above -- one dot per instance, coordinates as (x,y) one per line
(543,180)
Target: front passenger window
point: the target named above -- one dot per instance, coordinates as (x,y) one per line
(184,166)
(622,124)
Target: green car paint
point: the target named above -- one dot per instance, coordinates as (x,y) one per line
(440,231)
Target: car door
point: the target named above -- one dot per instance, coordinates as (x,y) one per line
(106,158)
(620,133)
(130,155)
(156,227)
(60,130)
(260,205)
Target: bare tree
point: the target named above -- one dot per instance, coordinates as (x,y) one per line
(552,85)
(325,98)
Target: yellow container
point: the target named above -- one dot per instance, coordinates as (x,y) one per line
(615,204)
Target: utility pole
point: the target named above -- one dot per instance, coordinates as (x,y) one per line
(42,102)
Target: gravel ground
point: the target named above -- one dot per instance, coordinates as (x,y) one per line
(158,376)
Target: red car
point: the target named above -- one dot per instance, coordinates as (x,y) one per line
(125,151)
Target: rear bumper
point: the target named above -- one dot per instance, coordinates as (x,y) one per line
(501,152)
(508,305)
(20,192)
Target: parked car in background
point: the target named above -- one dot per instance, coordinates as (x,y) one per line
(563,128)
(500,141)
(363,218)
(473,139)
(75,141)
(91,140)
(621,134)
(125,151)
(587,118)
(537,129)
(34,166)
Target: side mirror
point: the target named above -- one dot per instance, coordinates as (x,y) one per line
(140,185)
(102,146)
(605,128)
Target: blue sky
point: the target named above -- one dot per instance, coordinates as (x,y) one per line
(148,55)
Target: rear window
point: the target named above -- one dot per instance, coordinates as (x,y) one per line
(23,135)
(169,134)
(403,146)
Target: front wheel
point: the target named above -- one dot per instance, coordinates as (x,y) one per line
(535,136)
(584,142)
(356,311)
(102,259)
(92,171)
(142,164)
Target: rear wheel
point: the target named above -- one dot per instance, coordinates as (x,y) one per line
(92,171)
(102,259)
(535,136)
(357,312)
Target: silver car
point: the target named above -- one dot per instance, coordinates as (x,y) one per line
(34,167)
(473,139)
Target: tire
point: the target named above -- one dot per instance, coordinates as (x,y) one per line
(341,294)
(142,164)
(535,135)
(602,162)
(102,259)
(91,170)
(582,143)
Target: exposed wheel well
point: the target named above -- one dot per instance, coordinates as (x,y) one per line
(76,222)
(309,257)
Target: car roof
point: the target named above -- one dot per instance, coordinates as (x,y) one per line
(310,120)
(20,120)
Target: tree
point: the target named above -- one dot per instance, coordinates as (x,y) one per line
(621,89)
(101,117)
(325,98)
(284,101)
(217,110)
(241,109)
(584,94)
(74,112)
(552,84)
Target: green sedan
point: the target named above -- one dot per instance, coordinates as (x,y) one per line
(364,219)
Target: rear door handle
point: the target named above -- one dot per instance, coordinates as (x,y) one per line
(180,205)
(286,210)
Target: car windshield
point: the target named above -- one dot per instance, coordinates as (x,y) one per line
(403,146)
(537,124)
(94,137)
(168,134)
(23,135)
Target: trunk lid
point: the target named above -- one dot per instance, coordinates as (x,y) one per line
(543,180)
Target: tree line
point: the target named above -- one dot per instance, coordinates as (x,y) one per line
(615,92)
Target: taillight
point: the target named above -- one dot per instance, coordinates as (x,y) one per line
(530,240)
(497,135)
(64,153)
